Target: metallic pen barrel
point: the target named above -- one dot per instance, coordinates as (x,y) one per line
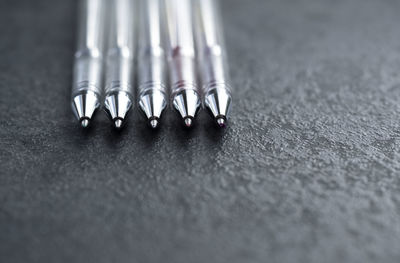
(214,73)
(152,84)
(181,57)
(120,61)
(88,64)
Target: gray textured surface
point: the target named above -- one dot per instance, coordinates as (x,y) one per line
(306,172)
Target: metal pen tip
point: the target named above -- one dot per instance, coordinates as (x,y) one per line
(118,123)
(221,122)
(154,123)
(84,123)
(188,122)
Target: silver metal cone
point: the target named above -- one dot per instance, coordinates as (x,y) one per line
(187,103)
(218,101)
(84,105)
(117,105)
(152,104)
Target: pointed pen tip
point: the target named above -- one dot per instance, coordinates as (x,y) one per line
(85,123)
(221,122)
(188,122)
(118,123)
(154,123)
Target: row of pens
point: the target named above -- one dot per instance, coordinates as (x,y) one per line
(156,40)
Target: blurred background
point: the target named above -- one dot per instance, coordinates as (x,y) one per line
(307,171)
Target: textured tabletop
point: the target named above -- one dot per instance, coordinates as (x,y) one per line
(308,170)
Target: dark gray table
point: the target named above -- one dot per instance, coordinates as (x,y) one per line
(308,170)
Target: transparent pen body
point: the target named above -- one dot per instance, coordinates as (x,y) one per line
(121,48)
(181,51)
(151,55)
(88,64)
(212,57)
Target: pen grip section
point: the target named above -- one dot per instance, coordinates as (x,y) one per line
(88,68)
(120,70)
(183,74)
(152,70)
(213,67)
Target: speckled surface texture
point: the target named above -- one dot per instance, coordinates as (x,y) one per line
(308,170)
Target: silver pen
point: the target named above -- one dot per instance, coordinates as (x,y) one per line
(119,86)
(181,57)
(88,64)
(214,74)
(152,84)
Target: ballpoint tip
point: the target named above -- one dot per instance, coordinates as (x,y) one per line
(188,122)
(221,122)
(84,123)
(154,123)
(118,123)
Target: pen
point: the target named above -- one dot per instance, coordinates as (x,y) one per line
(152,85)
(119,65)
(181,57)
(213,67)
(88,64)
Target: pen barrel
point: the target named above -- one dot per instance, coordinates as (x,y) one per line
(181,50)
(88,64)
(210,45)
(120,52)
(151,52)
